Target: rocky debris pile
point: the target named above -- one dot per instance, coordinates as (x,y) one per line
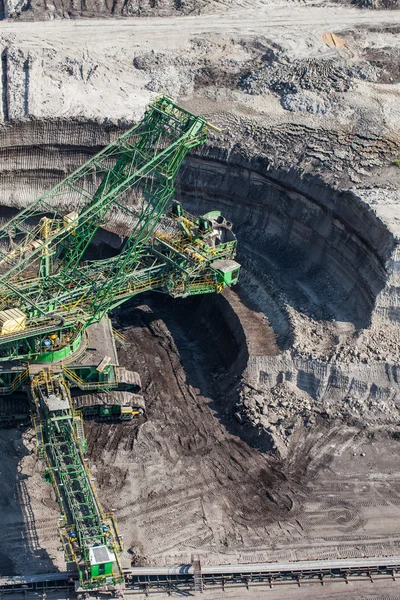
(171,81)
(382,340)
(306,101)
(276,411)
(377,4)
(67,9)
(334,341)
(179,75)
(14,8)
(289,77)
(386,61)
(305,84)
(166,73)
(149,61)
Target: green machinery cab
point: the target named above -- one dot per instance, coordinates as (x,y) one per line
(102,562)
(228,272)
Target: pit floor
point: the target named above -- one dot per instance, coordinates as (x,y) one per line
(184,482)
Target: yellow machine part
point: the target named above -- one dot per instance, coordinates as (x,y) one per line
(12,320)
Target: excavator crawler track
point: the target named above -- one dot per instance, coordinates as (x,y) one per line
(129,380)
(117,404)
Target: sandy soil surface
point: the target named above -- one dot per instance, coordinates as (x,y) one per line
(50,69)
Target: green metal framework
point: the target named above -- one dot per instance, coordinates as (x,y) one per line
(125,188)
(51,295)
(84,526)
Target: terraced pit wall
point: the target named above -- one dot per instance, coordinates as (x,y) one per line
(306,248)
(310,248)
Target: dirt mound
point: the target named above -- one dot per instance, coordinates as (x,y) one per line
(290,77)
(377,4)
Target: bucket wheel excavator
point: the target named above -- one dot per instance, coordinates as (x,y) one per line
(58,357)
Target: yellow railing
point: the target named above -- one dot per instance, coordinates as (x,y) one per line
(18,380)
(78,423)
(71,375)
(69,552)
(119,336)
(119,543)
(185,214)
(182,245)
(8,389)
(89,385)
(139,286)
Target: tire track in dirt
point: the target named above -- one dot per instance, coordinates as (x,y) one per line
(188,480)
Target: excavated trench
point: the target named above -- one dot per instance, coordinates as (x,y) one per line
(316,265)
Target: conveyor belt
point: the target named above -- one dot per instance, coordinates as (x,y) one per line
(275,567)
(89,536)
(181,577)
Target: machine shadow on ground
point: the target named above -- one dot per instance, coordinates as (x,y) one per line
(22,551)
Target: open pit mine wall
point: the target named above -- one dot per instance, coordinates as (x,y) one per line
(302,216)
(16,83)
(295,216)
(334,229)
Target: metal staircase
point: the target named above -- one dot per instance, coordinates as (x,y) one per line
(197,576)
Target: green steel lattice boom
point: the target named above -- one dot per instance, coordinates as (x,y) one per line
(52,296)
